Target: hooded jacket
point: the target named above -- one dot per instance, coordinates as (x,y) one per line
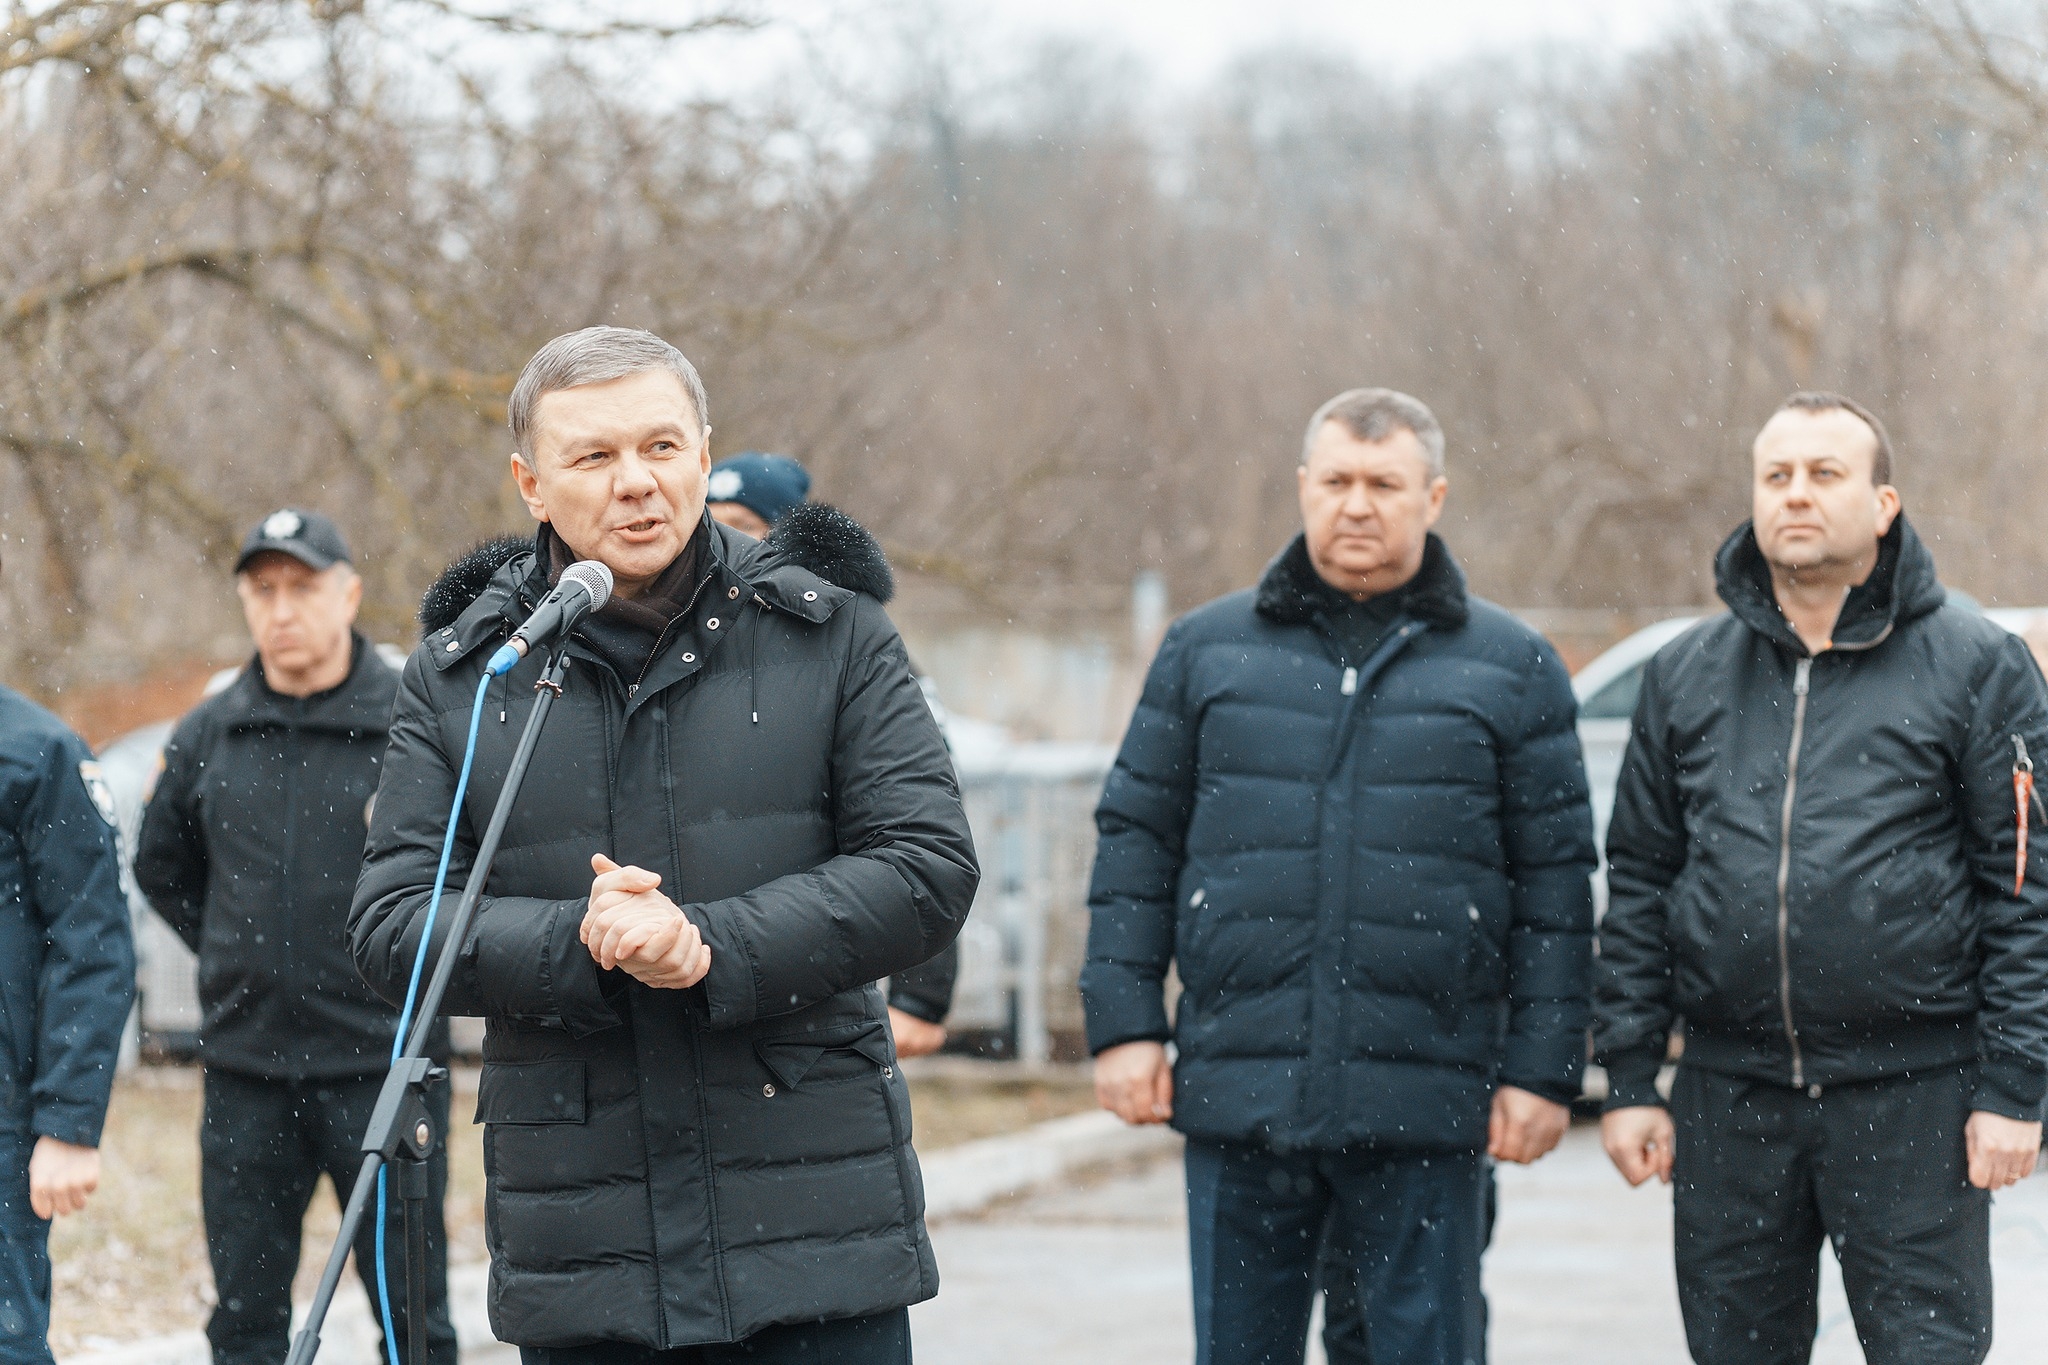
(1372,874)
(1811,859)
(249,849)
(671,1167)
(67,959)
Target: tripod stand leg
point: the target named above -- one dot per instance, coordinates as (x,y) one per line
(412,1191)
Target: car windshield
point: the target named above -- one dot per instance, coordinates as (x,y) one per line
(1615,701)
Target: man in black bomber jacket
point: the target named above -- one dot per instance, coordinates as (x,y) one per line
(1814,863)
(739,817)
(249,849)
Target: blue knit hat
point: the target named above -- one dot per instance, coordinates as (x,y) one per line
(766,485)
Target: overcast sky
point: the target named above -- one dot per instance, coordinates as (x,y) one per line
(1186,40)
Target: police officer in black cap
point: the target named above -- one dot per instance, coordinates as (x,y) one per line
(250,847)
(67,977)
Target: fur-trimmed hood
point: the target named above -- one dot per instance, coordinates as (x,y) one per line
(815,538)
(1292,593)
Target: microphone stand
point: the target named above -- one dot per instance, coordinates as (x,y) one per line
(402,1129)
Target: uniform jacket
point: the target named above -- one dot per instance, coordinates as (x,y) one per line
(1812,857)
(67,958)
(1372,877)
(674,1167)
(250,847)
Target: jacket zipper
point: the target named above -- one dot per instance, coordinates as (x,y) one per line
(633,687)
(1802,678)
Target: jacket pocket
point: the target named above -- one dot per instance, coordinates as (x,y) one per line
(1428,951)
(858,1048)
(533,1092)
(1486,962)
(1724,955)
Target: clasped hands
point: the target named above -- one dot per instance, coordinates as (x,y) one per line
(631,926)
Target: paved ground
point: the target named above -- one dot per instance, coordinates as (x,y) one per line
(1580,1273)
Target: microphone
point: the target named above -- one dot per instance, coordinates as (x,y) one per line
(586,585)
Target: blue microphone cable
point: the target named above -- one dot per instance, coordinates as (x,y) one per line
(412,989)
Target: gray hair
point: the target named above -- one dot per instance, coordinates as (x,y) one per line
(595,355)
(1376,414)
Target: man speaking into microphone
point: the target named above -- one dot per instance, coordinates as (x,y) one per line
(739,816)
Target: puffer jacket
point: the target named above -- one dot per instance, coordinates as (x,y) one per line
(67,958)
(1373,876)
(1811,858)
(249,849)
(671,1167)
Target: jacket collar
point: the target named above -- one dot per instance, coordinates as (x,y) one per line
(1291,592)
(355,705)
(1902,587)
(811,565)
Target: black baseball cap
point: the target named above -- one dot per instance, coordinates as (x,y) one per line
(308,537)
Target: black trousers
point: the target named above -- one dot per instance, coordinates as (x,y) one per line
(1764,1173)
(876,1339)
(262,1147)
(1409,1226)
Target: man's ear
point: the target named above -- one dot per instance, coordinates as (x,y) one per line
(1438,487)
(528,484)
(354,593)
(1889,506)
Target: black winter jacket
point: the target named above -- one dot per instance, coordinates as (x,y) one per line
(249,849)
(1811,858)
(1374,878)
(669,1167)
(67,959)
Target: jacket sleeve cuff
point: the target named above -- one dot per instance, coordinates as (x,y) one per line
(574,988)
(1632,1080)
(77,1124)
(2009,1086)
(1122,1006)
(1550,1088)
(909,1003)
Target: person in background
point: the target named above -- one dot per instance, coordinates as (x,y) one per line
(750,493)
(1815,861)
(249,849)
(1351,811)
(67,978)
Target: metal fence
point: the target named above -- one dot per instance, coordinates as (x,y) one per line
(1032,810)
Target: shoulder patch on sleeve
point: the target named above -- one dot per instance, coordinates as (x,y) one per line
(102,795)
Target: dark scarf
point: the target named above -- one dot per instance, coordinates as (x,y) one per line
(626,631)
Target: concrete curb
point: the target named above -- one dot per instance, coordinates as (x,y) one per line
(957,1181)
(968,1178)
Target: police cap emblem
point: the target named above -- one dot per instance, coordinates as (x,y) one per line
(725,485)
(283,525)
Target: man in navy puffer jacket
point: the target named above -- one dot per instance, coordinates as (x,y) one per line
(1351,809)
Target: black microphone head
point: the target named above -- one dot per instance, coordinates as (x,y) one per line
(593,577)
